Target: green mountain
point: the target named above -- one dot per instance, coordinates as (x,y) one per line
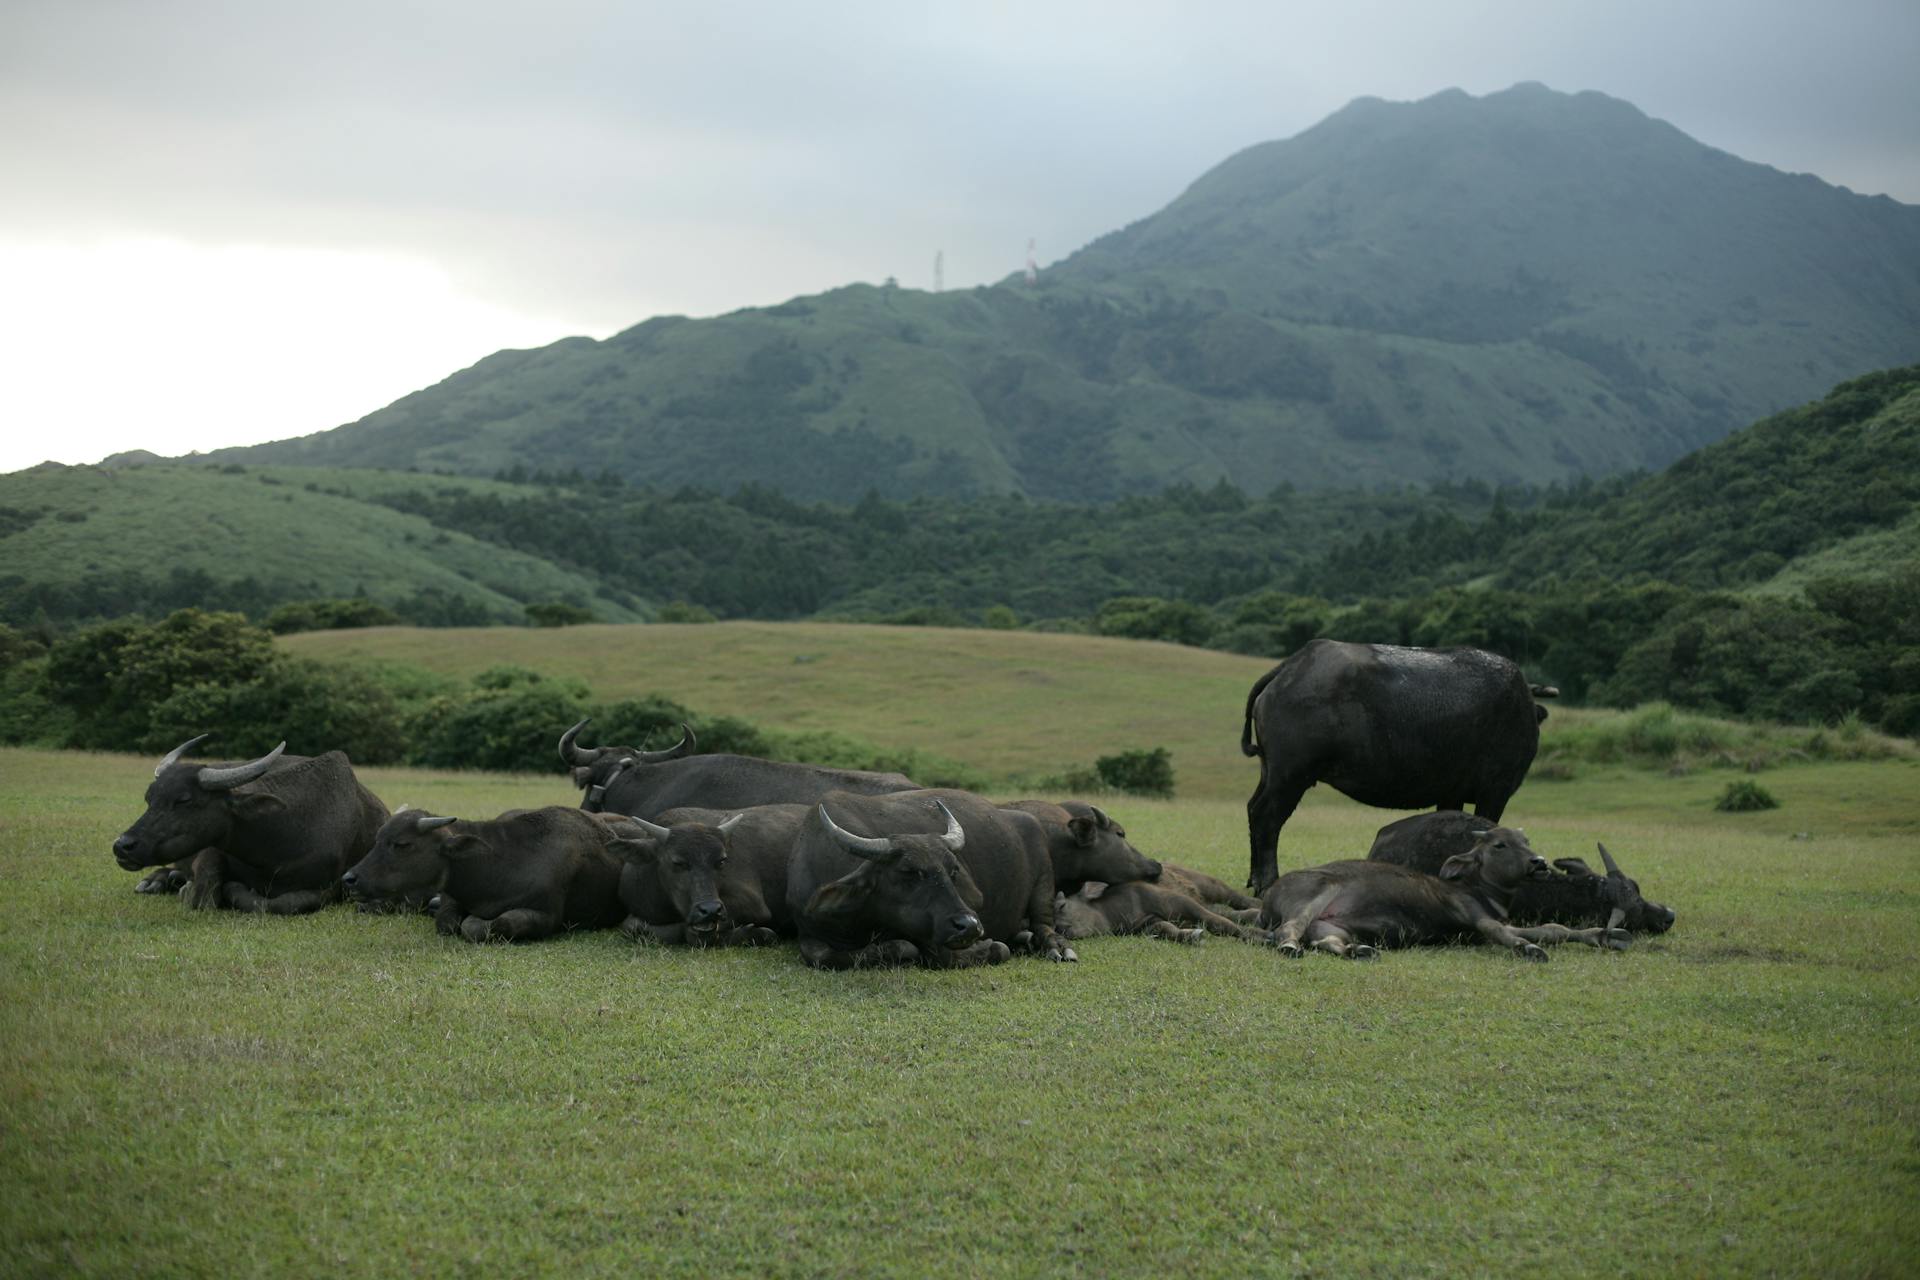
(1529,286)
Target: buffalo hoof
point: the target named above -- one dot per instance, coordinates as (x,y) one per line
(1061,952)
(996,952)
(1291,950)
(474,929)
(895,951)
(1023,942)
(162,880)
(1530,952)
(238,897)
(756,936)
(203,895)
(1619,940)
(1363,951)
(636,928)
(1191,937)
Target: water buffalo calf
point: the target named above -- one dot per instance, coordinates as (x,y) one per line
(526,874)
(1577,896)
(1351,908)
(1085,844)
(271,835)
(1183,905)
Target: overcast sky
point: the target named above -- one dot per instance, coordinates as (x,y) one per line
(230,222)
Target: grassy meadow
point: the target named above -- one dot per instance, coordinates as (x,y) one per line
(187,1094)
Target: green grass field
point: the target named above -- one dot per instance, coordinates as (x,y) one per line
(191,1094)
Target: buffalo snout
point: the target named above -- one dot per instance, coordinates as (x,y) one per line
(963,931)
(125,853)
(1154,869)
(1537,868)
(705,913)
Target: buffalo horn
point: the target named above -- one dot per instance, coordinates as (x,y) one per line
(1613,868)
(577,755)
(228,779)
(684,747)
(730,823)
(425,823)
(1100,816)
(173,756)
(1544,690)
(872,848)
(653,829)
(955,839)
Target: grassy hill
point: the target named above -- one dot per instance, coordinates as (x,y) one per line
(1529,286)
(86,541)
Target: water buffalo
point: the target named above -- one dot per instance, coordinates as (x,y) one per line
(1576,897)
(684,884)
(1388,726)
(942,877)
(1183,905)
(1085,844)
(1351,908)
(648,783)
(526,874)
(272,834)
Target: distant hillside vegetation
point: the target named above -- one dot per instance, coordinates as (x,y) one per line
(1521,288)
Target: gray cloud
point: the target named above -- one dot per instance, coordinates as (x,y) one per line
(606,161)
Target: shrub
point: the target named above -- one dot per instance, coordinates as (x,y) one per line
(329,615)
(682,611)
(510,726)
(556,613)
(313,707)
(1745,796)
(1145,773)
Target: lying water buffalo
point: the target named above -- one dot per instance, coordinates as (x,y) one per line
(272,834)
(1389,726)
(681,884)
(939,877)
(1576,897)
(1183,905)
(648,783)
(526,874)
(1351,908)
(1085,844)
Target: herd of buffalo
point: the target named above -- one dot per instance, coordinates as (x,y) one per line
(871,868)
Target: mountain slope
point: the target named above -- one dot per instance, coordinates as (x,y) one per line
(1528,286)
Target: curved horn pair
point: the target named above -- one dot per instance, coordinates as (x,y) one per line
(877,848)
(574,754)
(239,774)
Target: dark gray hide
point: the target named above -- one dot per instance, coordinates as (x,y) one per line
(908,895)
(715,878)
(526,874)
(1389,726)
(647,784)
(269,835)
(1350,908)
(1577,896)
(1085,844)
(1183,905)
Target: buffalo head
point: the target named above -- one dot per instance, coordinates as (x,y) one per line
(1099,850)
(1617,890)
(594,769)
(411,859)
(910,886)
(1500,858)
(686,862)
(193,807)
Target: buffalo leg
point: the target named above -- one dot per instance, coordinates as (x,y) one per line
(170,878)
(751,935)
(1289,933)
(297,902)
(667,935)
(203,891)
(1335,941)
(824,955)
(1515,940)
(1554,934)
(511,926)
(1228,926)
(1167,931)
(1268,809)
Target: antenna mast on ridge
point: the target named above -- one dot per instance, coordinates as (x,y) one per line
(1033,268)
(939,270)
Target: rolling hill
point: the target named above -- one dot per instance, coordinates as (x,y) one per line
(1529,286)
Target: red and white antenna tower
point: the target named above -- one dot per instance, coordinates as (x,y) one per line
(1033,268)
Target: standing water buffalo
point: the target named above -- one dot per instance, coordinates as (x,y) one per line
(1351,908)
(648,783)
(270,835)
(1388,726)
(942,877)
(526,874)
(1577,896)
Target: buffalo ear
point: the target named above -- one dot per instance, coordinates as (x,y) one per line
(1085,830)
(1092,889)
(255,804)
(841,897)
(1574,867)
(1460,864)
(462,844)
(638,852)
